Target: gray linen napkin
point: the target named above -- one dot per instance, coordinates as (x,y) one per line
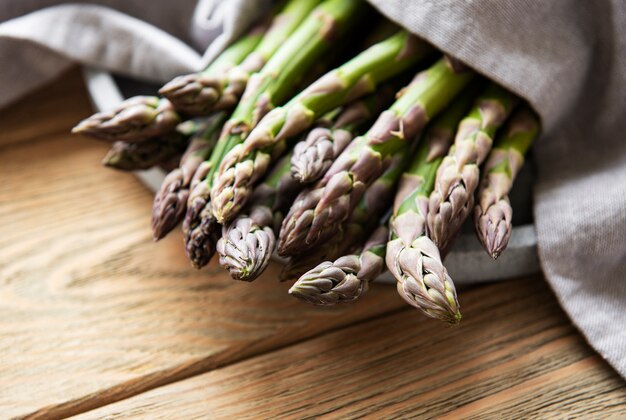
(150,40)
(566,57)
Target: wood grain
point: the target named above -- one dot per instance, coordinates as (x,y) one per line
(515,355)
(51,110)
(95,316)
(91,310)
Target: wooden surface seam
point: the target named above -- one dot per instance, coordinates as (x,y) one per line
(513,362)
(179,373)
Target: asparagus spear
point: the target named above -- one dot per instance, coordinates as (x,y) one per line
(457,177)
(139,156)
(247,243)
(317,212)
(135,120)
(265,89)
(363,220)
(245,164)
(412,257)
(220,85)
(313,156)
(347,278)
(493,212)
(170,201)
(156,151)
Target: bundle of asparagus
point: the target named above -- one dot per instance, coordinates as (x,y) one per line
(342,201)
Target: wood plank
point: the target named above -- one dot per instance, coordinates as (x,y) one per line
(515,355)
(91,310)
(50,110)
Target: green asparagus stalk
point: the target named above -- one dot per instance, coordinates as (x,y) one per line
(170,202)
(317,212)
(457,177)
(363,220)
(221,84)
(270,87)
(347,278)
(245,164)
(135,120)
(412,257)
(352,44)
(313,156)
(248,242)
(493,212)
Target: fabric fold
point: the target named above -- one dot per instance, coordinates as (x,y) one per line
(93,35)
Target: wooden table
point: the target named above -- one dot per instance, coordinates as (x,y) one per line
(97,320)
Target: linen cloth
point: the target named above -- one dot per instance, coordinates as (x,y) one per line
(566,57)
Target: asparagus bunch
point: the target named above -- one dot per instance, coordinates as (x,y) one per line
(248,242)
(170,202)
(313,156)
(347,278)
(351,178)
(457,177)
(412,257)
(320,210)
(221,84)
(245,164)
(493,212)
(266,89)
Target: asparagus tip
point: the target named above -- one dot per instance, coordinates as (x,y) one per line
(79,128)
(201,233)
(111,160)
(245,248)
(135,119)
(331,283)
(118,158)
(423,281)
(194,94)
(166,220)
(494,227)
(314,155)
(169,206)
